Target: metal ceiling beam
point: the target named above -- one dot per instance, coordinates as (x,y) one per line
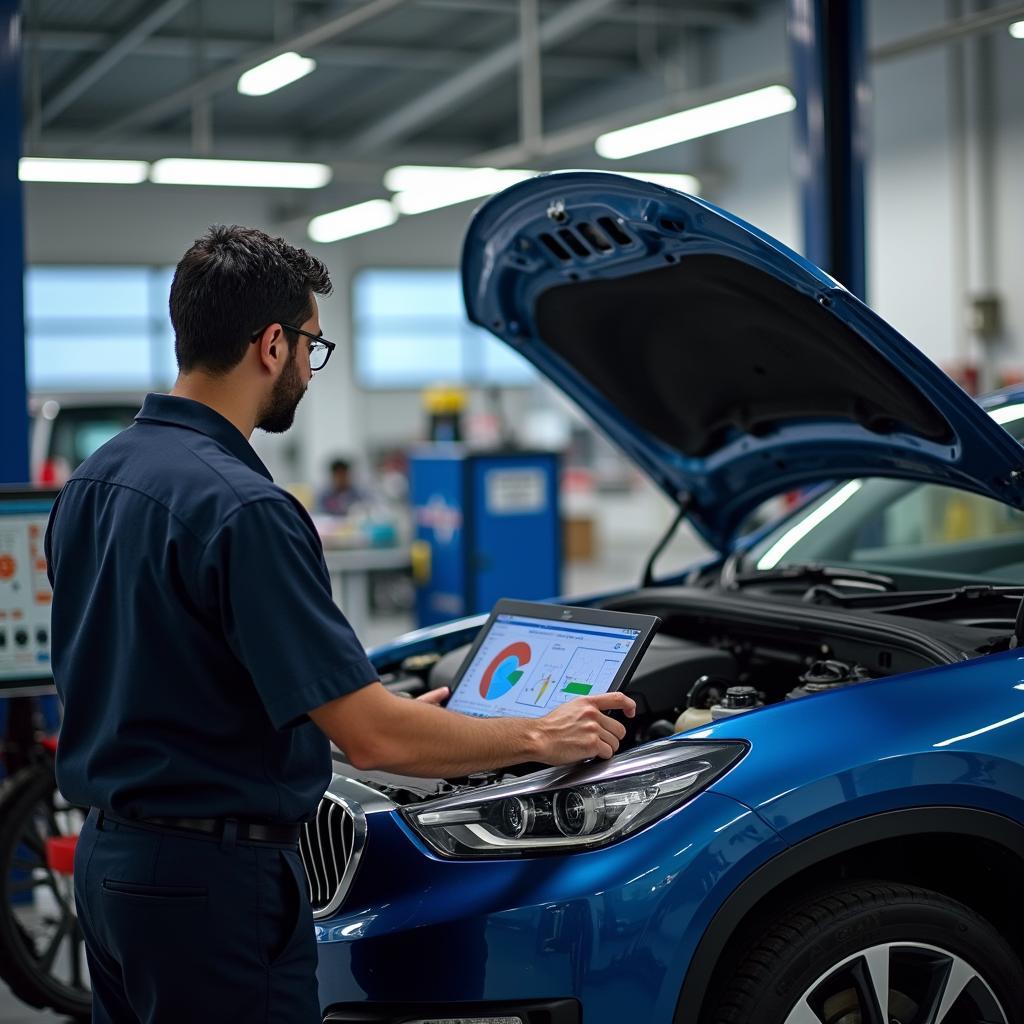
(436,102)
(149,20)
(690,15)
(555,145)
(958,28)
(224,77)
(531,86)
(419,58)
(581,136)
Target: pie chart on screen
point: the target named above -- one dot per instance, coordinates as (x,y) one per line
(504,671)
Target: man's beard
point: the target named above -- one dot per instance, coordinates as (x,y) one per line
(279,412)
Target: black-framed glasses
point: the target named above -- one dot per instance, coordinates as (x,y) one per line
(320,348)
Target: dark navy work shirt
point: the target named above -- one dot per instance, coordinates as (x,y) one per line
(193,627)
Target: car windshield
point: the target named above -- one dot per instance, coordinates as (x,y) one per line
(920,534)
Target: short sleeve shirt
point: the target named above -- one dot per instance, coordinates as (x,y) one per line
(193,627)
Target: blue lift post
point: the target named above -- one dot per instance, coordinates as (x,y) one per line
(13,395)
(830,83)
(17,716)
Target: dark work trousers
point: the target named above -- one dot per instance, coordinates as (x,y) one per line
(183,929)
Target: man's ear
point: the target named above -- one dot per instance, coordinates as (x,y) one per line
(270,343)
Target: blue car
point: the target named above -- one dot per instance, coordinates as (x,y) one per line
(817,816)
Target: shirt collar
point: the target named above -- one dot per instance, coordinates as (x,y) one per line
(184,412)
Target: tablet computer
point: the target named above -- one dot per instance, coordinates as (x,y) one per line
(530,657)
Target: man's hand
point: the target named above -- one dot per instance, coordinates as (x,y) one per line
(580,729)
(438,696)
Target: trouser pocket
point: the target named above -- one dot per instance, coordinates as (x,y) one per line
(286,918)
(153,893)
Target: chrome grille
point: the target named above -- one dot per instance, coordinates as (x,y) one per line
(330,846)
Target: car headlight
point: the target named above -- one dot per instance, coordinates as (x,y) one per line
(579,806)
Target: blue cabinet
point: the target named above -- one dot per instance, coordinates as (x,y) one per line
(486,527)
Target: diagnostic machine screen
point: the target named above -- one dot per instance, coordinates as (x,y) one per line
(527,667)
(24,591)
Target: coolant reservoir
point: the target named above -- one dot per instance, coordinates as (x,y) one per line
(693,718)
(737,700)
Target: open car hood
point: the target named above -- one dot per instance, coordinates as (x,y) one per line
(727,366)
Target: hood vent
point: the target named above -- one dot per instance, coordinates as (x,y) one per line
(586,240)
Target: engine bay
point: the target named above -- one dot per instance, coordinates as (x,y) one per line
(725,652)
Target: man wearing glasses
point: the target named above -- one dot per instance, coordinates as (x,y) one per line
(203,668)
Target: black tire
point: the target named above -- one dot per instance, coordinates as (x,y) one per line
(820,961)
(31,811)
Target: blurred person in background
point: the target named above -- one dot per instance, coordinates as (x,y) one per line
(341,494)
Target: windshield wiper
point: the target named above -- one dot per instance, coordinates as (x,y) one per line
(812,573)
(973,597)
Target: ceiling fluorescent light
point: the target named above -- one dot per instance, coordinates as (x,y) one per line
(352,220)
(275,74)
(429,188)
(108,172)
(696,122)
(1017,30)
(241,173)
(409,177)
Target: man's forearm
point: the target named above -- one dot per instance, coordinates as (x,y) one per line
(381,732)
(416,739)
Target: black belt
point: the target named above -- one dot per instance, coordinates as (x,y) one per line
(245,831)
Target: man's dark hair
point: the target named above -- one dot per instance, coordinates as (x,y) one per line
(232,283)
(340,463)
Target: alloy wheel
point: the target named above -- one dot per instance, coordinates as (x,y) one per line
(899,983)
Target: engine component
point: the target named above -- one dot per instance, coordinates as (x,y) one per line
(708,691)
(704,694)
(693,718)
(403,684)
(420,664)
(669,669)
(737,700)
(827,675)
(659,729)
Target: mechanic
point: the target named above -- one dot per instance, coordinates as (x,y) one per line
(203,668)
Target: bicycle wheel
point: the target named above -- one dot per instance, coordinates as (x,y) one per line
(42,952)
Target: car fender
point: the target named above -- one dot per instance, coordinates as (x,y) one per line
(798,858)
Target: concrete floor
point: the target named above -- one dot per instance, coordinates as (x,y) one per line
(14,1012)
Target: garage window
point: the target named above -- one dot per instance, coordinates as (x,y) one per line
(410,330)
(98,327)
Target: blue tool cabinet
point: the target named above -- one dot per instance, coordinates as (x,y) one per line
(486,525)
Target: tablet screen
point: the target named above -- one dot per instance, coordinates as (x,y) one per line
(528,666)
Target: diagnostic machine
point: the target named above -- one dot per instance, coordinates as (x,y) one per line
(25,593)
(530,657)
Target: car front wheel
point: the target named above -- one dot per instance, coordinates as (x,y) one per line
(876,953)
